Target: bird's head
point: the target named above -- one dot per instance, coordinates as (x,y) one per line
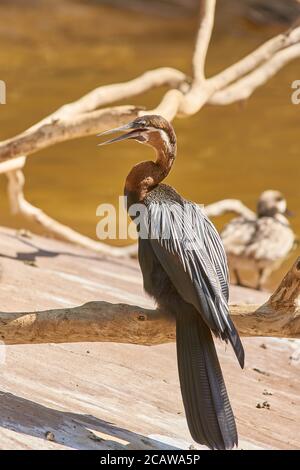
(151,130)
(271,203)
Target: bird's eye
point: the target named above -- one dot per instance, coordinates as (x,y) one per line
(142,123)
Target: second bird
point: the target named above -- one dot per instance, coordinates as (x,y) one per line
(260,244)
(185,270)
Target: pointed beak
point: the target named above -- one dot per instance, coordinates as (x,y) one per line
(133,134)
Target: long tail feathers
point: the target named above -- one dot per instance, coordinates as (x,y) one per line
(208,411)
(235,341)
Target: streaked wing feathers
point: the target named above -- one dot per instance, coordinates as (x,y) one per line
(189,249)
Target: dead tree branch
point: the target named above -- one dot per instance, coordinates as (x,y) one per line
(244,88)
(121,323)
(261,55)
(229,205)
(19,205)
(60,129)
(206,24)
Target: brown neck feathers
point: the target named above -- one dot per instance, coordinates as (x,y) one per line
(146,175)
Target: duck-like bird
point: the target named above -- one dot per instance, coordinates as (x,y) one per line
(260,244)
(185,270)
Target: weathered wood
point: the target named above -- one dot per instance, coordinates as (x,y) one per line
(122,323)
(19,204)
(229,205)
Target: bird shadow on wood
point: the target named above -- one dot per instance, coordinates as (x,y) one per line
(38,252)
(73,430)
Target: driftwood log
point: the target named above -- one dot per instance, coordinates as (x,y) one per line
(184,97)
(121,323)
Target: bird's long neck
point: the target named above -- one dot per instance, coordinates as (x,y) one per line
(147,175)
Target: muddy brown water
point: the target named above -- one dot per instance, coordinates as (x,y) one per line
(234,151)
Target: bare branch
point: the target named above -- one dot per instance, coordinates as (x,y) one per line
(120,323)
(78,119)
(175,102)
(206,24)
(229,205)
(62,129)
(169,105)
(211,90)
(104,95)
(262,54)
(244,88)
(19,205)
(11,165)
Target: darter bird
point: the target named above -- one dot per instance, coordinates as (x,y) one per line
(185,270)
(260,244)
